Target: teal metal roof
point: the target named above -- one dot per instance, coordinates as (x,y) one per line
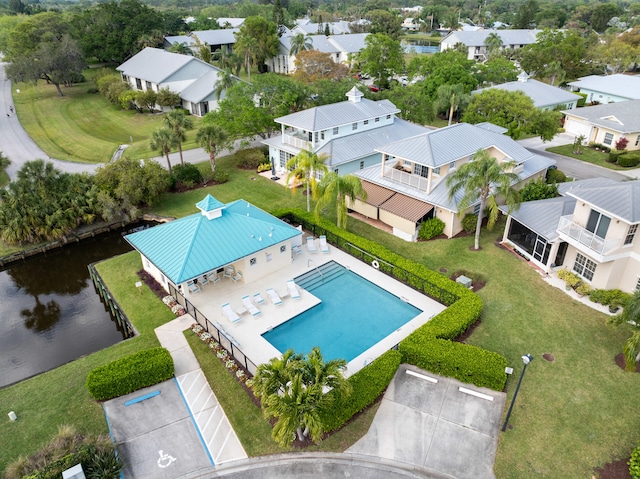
(209,203)
(194,245)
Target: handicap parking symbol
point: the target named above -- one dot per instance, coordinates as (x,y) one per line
(165,459)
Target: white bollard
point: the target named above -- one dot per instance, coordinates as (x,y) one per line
(12,416)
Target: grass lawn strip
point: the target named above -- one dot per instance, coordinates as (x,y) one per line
(588,155)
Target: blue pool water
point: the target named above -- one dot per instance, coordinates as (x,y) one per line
(354,315)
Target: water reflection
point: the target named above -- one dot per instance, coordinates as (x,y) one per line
(42,316)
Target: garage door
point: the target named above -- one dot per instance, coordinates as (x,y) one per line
(577,128)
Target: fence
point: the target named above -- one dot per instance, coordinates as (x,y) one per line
(116,311)
(219,334)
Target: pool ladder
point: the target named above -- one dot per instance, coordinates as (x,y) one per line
(310,261)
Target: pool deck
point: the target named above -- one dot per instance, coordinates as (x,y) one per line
(247,332)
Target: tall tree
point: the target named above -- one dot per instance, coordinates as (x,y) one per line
(273,377)
(511,110)
(257,39)
(313,65)
(278,17)
(180,123)
(526,14)
(163,140)
(225,81)
(381,57)
(335,189)
(385,22)
(564,46)
(483,178)
(631,316)
(307,166)
(494,43)
(451,98)
(27,37)
(213,139)
(299,43)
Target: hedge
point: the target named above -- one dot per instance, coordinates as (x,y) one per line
(130,373)
(634,463)
(629,160)
(463,362)
(367,384)
(615,154)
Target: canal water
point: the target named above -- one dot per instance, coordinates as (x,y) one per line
(51,313)
(420,46)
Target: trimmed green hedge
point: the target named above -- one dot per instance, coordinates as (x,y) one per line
(634,463)
(367,384)
(130,373)
(629,160)
(466,363)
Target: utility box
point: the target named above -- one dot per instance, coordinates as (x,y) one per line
(74,472)
(464,281)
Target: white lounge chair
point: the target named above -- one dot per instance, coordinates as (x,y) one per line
(311,246)
(246,301)
(275,299)
(258,299)
(297,249)
(230,313)
(324,247)
(293,289)
(215,278)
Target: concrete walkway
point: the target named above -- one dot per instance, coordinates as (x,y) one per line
(212,423)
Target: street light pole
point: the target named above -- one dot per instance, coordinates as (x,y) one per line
(526,359)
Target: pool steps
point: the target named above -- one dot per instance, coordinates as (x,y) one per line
(320,275)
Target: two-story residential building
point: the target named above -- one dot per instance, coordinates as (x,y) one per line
(476,41)
(590,230)
(219,41)
(347,132)
(408,185)
(189,77)
(607,123)
(608,88)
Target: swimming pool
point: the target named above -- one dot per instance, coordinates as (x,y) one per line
(354,315)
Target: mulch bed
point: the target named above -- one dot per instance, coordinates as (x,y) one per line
(621,363)
(475,285)
(614,470)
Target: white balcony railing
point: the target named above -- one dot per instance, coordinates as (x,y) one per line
(415,181)
(586,237)
(297,142)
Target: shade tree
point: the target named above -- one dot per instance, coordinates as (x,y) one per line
(381,57)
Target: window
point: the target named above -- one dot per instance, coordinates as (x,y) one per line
(284,158)
(138,84)
(452,166)
(269,257)
(366,122)
(584,267)
(354,126)
(149,85)
(436,170)
(336,129)
(388,117)
(638,140)
(283,248)
(598,224)
(476,209)
(362,164)
(336,171)
(631,234)
(322,135)
(608,138)
(164,280)
(315,137)
(637,285)
(378,119)
(421,170)
(252,262)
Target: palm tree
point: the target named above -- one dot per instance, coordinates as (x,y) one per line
(225,81)
(452,97)
(631,315)
(337,188)
(326,374)
(307,165)
(180,123)
(484,178)
(162,140)
(246,46)
(274,376)
(300,42)
(181,48)
(212,138)
(493,42)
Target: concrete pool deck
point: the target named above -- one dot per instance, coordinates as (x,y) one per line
(248,331)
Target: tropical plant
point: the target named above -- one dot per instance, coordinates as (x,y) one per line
(213,139)
(180,47)
(300,42)
(451,98)
(577,144)
(273,377)
(225,81)
(163,140)
(631,315)
(179,122)
(306,165)
(538,190)
(335,188)
(494,43)
(484,178)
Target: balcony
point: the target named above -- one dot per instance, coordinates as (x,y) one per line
(586,237)
(415,181)
(298,142)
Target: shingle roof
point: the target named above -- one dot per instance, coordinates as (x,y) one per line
(194,245)
(543,216)
(627,86)
(621,200)
(337,114)
(478,38)
(623,116)
(542,94)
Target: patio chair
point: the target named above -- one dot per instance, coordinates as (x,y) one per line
(237,277)
(231,315)
(204,280)
(275,299)
(258,299)
(311,246)
(324,247)
(249,306)
(193,287)
(215,278)
(297,249)
(293,289)
(228,272)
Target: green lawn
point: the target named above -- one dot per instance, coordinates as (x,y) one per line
(590,156)
(84,126)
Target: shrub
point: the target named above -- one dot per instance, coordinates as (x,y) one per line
(583,288)
(130,373)
(614,155)
(366,385)
(622,143)
(634,463)
(431,228)
(556,176)
(582,101)
(220,177)
(571,279)
(264,167)
(250,158)
(609,297)
(188,174)
(469,222)
(538,190)
(629,160)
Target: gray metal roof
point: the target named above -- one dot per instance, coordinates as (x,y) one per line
(623,116)
(621,200)
(564,188)
(233,21)
(225,36)
(478,38)
(485,125)
(627,86)
(202,88)
(352,43)
(337,114)
(542,94)
(336,28)
(442,146)
(154,64)
(543,216)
